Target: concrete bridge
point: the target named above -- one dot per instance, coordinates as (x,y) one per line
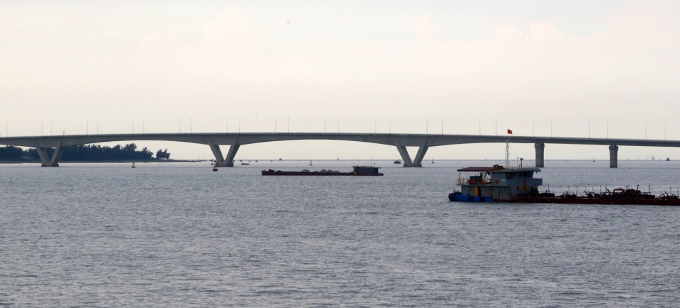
(400,141)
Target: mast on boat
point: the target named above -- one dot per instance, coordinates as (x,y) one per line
(507,149)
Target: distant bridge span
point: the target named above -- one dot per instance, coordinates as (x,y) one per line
(400,141)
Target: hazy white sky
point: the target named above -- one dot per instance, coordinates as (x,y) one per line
(522,64)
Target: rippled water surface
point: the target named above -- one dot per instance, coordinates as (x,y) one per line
(180,235)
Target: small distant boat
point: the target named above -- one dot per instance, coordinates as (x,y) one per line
(396,162)
(215,168)
(668,159)
(133,165)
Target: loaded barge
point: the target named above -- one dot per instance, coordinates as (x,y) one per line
(518,185)
(357,171)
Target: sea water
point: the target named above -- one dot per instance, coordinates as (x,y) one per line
(181,235)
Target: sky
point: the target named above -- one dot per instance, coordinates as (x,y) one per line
(561,68)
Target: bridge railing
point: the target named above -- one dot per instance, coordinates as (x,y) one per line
(538,138)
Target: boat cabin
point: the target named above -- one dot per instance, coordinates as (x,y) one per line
(366,170)
(498,183)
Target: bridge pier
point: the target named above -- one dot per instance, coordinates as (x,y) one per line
(406,158)
(613,156)
(420,155)
(220,161)
(217,152)
(48,161)
(540,154)
(229,161)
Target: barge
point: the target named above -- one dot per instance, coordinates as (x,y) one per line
(518,185)
(357,171)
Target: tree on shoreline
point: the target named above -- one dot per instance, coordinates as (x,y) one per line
(162,154)
(83,153)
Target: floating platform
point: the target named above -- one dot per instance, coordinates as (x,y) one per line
(357,171)
(617,196)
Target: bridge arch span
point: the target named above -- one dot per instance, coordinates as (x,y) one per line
(400,141)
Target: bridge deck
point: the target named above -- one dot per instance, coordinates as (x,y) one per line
(235,140)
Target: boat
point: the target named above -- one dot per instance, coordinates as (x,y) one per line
(357,171)
(396,162)
(518,185)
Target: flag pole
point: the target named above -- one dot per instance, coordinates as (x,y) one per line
(507,149)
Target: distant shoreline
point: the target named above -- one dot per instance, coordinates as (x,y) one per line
(9,162)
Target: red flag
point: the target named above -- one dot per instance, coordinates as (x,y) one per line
(509,132)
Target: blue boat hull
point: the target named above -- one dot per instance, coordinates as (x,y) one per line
(458,197)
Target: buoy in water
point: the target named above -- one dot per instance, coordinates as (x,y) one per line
(133,165)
